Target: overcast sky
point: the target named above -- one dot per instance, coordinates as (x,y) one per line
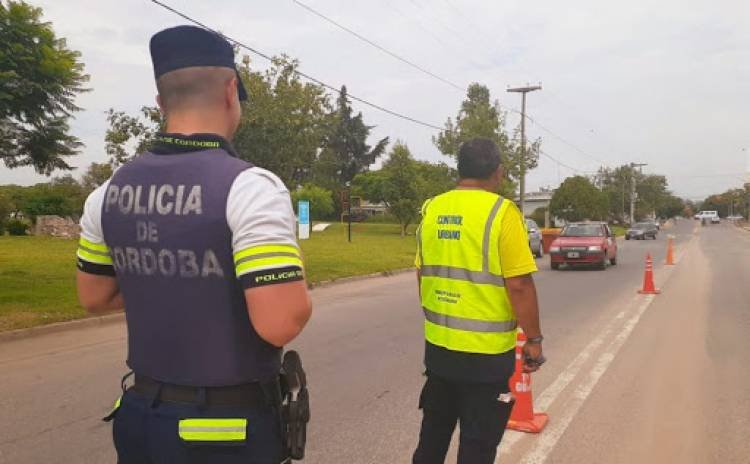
(661,82)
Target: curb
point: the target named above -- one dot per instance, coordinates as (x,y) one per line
(94,321)
(344,280)
(64,326)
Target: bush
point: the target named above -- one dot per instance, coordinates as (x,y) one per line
(321,201)
(16,227)
(538,216)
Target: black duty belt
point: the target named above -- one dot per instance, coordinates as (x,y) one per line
(245,395)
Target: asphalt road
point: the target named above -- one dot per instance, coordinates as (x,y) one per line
(630,378)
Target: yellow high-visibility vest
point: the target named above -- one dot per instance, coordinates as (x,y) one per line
(463,294)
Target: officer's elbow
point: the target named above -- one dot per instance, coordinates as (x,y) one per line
(279,314)
(98,294)
(285,331)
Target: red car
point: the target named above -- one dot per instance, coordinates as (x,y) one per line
(590,243)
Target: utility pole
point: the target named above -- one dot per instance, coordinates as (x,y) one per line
(522,167)
(632,192)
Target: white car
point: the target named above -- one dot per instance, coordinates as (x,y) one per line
(712,216)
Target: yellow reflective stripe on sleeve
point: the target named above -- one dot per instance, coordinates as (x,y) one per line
(213,429)
(265,257)
(93,252)
(94,257)
(267,263)
(263,249)
(100,247)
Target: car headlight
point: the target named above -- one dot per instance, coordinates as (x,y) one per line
(595,248)
(554,249)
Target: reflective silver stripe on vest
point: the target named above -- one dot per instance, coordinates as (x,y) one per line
(488,233)
(470,325)
(459,273)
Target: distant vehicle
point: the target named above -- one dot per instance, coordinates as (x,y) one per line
(735,217)
(642,231)
(712,216)
(655,222)
(585,243)
(535,238)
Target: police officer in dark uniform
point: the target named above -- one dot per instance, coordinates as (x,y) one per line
(199,248)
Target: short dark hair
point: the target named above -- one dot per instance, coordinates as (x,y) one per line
(193,87)
(478,158)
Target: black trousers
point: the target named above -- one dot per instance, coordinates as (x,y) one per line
(482,417)
(145,433)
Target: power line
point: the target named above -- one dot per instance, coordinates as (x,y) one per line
(566,142)
(435,76)
(381,48)
(543,153)
(362,100)
(299,73)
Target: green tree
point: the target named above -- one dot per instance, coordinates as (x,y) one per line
(434,179)
(652,193)
(670,206)
(616,186)
(514,157)
(321,201)
(39,80)
(63,196)
(128,136)
(6,207)
(346,152)
(16,196)
(578,199)
(733,201)
(395,185)
(480,117)
(284,121)
(96,174)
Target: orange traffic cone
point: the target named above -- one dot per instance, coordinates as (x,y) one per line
(522,417)
(648,278)
(670,252)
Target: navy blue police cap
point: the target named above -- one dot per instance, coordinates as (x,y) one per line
(189,46)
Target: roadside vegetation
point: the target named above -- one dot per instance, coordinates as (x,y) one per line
(37,274)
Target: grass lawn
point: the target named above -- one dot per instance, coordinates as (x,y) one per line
(37,274)
(37,281)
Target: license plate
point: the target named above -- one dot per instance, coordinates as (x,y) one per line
(574,254)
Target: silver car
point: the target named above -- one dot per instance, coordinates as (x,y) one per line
(535,238)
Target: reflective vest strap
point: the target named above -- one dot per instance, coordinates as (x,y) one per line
(470,325)
(449,272)
(487,234)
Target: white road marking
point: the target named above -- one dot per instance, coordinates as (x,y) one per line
(547,440)
(550,394)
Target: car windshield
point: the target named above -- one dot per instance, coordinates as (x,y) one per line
(642,225)
(582,230)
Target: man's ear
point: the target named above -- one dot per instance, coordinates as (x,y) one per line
(499,174)
(160,104)
(231,92)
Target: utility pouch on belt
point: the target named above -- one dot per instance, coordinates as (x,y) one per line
(295,405)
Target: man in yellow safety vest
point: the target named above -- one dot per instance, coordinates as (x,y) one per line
(474,266)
